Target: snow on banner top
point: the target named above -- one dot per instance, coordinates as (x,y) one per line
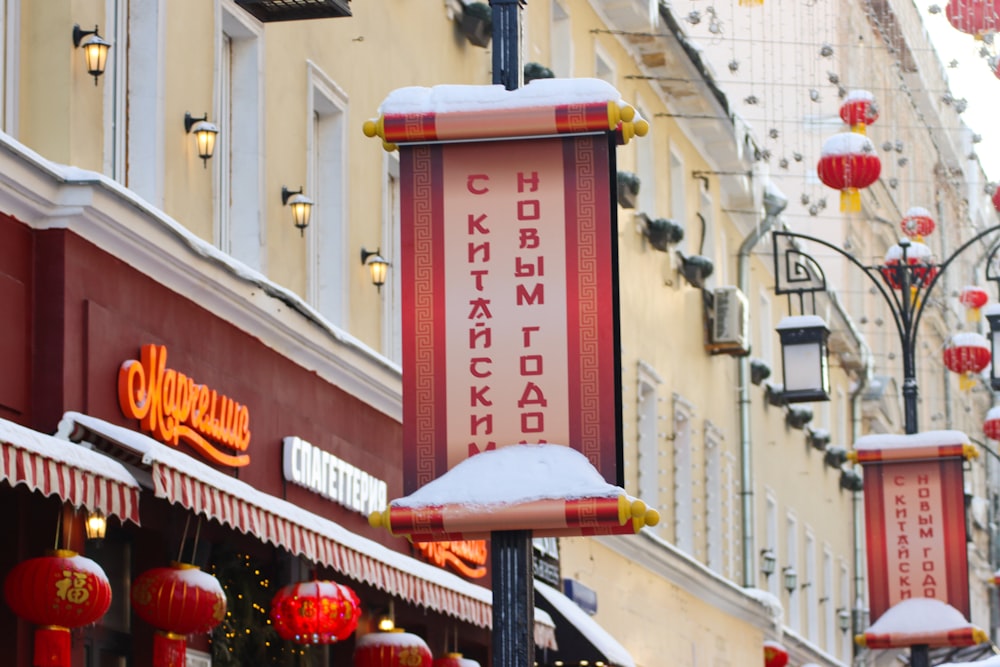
(921,621)
(453,112)
(879,447)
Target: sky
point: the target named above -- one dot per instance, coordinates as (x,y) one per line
(970,78)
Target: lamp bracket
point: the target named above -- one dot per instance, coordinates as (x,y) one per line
(79,34)
(190,120)
(365,254)
(286,193)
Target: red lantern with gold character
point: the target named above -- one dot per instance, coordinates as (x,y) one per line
(775,655)
(454,660)
(859,110)
(315,612)
(179,600)
(991,427)
(391,649)
(58,591)
(974,17)
(917,223)
(847,163)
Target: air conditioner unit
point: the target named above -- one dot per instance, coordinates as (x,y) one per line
(729,323)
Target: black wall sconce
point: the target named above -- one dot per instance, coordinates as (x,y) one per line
(660,232)
(204,135)
(95,50)
(696,269)
(96,526)
(759,371)
(790,578)
(767,562)
(377,265)
(798,416)
(301,207)
(818,438)
(835,457)
(628,188)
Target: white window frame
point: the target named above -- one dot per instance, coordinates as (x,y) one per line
(10,33)
(715,491)
(647,430)
(392,297)
(327,276)
(683,436)
(561,41)
(142,136)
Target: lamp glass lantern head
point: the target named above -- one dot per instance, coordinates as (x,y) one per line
(843,619)
(96,526)
(992,314)
(204,135)
(377,265)
(95,50)
(790,577)
(301,207)
(804,360)
(767,562)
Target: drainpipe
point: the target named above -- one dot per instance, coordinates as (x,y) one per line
(774,203)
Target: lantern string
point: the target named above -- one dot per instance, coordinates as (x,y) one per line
(180,552)
(58,528)
(197,533)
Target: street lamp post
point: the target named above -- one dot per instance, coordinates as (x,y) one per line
(905,284)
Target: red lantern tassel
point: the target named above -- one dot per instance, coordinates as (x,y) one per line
(169,650)
(850,200)
(52,646)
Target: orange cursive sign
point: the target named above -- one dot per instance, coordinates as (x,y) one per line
(172,408)
(467,557)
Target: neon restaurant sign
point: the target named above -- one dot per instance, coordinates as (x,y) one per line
(173,408)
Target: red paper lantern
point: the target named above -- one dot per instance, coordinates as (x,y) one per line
(859,110)
(179,600)
(848,162)
(775,655)
(454,660)
(918,256)
(996,198)
(391,649)
(917,223)
(973,298)
(966,353)
(991,427)
(58,591)
(315,612)
(974,17)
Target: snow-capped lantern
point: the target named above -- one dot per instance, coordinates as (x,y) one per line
(973,298)
(775,655)
(859,110)
(917,223)
(918,258)
(991,426)
(392,649)
(966,353)
(315,612)
(848,162)
(974,17)
(57,592)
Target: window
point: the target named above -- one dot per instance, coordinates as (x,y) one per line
(328,257)
(239,231)
(715,491)
(683,475)
(810,587)
(562,42)
(141,135)
(603,69)
(846,638)
(645,168)
(771,542)
(392,298)
(792,561)
(829,604)
(116,78)
(765,330)
(678,206)
(647,435)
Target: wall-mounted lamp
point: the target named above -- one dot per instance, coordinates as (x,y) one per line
(767,562)
(204,135)
(96,526)
(377,264)
(843,619)
(95,50)
(301,207)
(804,358)
(387,621)
(790,577)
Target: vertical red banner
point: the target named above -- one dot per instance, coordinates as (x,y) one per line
(510,324)
(916,533)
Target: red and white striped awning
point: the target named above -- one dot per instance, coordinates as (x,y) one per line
(75,474)
(181,479)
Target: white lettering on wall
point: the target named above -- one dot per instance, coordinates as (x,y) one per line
(325,474)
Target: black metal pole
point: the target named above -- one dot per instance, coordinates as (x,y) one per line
(513,569)
(507,43)
(920,656)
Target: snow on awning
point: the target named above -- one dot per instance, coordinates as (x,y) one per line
(75,474)
(580,637)
(180,479)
